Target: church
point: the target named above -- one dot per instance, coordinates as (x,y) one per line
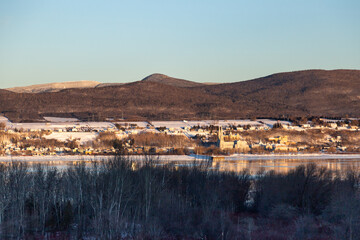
(232,142)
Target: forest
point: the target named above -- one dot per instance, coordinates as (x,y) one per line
(125,199)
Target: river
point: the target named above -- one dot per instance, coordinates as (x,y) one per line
(254,163)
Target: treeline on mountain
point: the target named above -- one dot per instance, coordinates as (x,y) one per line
(303,93)
(122,199)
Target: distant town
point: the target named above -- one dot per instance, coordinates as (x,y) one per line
(70,136)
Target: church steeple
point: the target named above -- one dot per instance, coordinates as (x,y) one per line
(220,133)
(220,137)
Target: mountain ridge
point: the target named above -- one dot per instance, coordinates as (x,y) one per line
(164,79)
(54,87)
(334,93)
(59,86)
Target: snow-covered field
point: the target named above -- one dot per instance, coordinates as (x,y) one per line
(61,125)
(200,123)
(82,137)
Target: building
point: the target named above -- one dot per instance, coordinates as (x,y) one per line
(230,144)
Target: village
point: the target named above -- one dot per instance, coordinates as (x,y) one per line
(69,136)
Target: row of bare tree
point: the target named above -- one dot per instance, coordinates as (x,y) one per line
(120,199)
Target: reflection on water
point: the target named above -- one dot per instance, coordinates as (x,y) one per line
(283,165)
(253,164)
(277,165)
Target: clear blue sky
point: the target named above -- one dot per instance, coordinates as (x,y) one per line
(206,41)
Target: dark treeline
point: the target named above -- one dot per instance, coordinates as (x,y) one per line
(118,199)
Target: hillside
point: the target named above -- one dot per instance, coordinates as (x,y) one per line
(312,92)
(54,87)
(163,79)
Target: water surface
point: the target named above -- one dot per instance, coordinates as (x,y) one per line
(236,163)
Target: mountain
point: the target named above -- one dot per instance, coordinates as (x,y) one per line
(54,87)
(302,93)
(311,92)
(163,79)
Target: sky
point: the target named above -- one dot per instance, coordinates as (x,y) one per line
(44,41)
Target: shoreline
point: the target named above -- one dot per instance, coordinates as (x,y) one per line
(292,156)
(234,157)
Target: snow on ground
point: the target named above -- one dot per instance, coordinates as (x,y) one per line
(271,122)
(59,158)
(197,123)
(58,119)
(4,120)
(82,137)
(291,156)
(100,125)
(148,130)
(177,125)
(62,125)
(296,128)
(328,120)
(239,122)
(223,123)
(69,158)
